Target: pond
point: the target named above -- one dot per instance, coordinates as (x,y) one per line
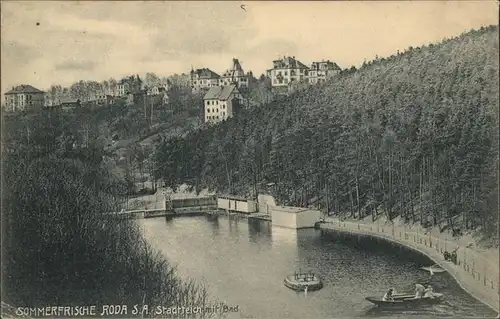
(243,263)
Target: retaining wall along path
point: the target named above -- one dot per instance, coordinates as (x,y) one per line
(476,274)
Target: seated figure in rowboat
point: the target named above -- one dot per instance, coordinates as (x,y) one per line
(388,295)
(429,292)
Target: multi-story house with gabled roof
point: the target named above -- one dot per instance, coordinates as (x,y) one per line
(235,75)
(285,71)
(221,103)
(130,84)
(202,79)
(24,97)
(320,71)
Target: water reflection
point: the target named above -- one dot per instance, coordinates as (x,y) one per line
(259,232)
(168,218)
(213,221)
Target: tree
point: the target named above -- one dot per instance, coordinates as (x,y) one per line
(407,135)
(151,80)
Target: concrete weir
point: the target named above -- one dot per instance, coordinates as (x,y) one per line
(477,277)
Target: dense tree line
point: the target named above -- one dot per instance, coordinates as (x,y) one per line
(85,90)
(58,245)
(412,135)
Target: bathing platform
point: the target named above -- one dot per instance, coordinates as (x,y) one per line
(303,281)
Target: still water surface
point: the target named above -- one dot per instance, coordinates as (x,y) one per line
(243,262)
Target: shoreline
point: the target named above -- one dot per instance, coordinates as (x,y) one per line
(482,284)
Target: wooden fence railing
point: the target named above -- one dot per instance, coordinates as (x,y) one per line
(484,271)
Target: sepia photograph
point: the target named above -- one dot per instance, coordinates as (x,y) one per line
(250,159)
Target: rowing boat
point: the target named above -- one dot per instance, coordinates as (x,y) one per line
(406,300)
(434,269)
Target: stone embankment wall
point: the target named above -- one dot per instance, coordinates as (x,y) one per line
(476,274)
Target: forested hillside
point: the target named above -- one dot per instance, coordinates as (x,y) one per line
(414,134)
(58,244)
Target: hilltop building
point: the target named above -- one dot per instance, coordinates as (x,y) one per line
(235,75)
(113,91)
(319,71)
(201,79)
(156,90)
(49,101)
(131,84)
(67,103)
(24,97)
(104,99)
(221,102)
(286,71)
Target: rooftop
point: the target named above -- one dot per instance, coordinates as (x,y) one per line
(24,88)
(235,70)
(234,197)
(66,100)
(292,210)
(330,65)
(289,62)
(205,73)
(220,92)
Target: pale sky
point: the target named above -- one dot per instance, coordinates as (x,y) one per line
(98,40)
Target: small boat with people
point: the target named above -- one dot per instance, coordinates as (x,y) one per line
(434,269)
(303,281)
(422,297)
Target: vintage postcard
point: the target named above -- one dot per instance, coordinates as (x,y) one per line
(250,159)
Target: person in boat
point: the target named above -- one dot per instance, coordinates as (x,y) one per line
(419,291)
(388,295)
(429,292)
